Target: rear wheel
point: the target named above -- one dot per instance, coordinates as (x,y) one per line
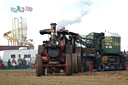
(68,65)
(79,62)
(69,50)
(74,63)
(78,50)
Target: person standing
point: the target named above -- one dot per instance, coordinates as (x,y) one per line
(13,63)
(24,63)
(98,61)
(65,39)
(9,64)
(1,64)
(20,62)
(32,63)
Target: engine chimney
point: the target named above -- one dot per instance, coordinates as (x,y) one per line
(53,31)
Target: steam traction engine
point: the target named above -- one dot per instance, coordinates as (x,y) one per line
(56,54)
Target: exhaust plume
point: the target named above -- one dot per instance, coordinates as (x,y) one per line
(83,9)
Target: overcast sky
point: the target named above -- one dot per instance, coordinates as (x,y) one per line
(81,16)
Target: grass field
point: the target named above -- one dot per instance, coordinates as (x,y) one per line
(28,77)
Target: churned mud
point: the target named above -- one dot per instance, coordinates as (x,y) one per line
(28,77)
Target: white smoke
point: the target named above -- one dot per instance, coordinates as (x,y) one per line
(82,5)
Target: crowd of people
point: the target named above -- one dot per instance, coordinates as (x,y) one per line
(23,64)
(1,64)
(19,64)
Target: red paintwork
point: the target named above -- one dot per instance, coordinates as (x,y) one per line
(126,65)
(0,65)
(60,59)
(45,31)
(48,31)
(74,33)
(63,31)
(62,45)
(44,54)
(53,65)
(45,42)
(12,47)
(91,67)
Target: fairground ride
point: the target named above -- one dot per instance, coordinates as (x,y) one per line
(18,34)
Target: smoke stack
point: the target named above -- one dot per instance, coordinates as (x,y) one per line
(53,31)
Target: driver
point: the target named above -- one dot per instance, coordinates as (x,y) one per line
(65,39)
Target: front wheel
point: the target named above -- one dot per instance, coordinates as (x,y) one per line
(39,70)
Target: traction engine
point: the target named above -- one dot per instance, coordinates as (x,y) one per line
(52,55)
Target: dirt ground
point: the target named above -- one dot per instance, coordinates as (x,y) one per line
(28,77)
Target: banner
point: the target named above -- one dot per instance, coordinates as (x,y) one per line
(21,9)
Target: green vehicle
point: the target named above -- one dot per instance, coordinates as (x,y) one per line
(111,44)
(108,45)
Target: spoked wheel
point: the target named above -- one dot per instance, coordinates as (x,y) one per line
(39,69)
(74,63)
(68,65)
